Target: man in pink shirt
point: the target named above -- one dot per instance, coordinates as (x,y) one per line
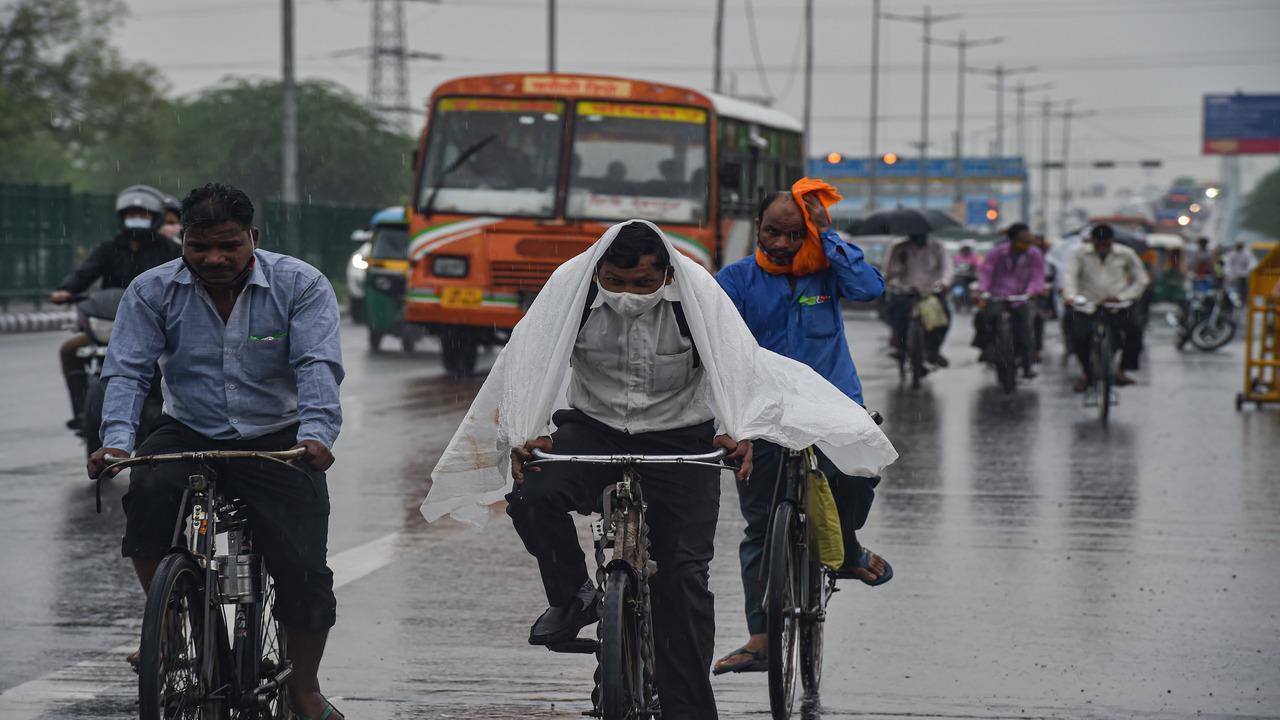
(1013,268)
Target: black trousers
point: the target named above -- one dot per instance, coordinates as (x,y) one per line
(984,331)
(289,512)
(853,496)
(1125,327)
(684,503)
(899,313)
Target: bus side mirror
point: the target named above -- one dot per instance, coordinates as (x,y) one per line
(730,175)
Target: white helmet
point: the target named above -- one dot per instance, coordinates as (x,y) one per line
(143,197)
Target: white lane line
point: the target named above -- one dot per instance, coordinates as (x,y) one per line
(90,678)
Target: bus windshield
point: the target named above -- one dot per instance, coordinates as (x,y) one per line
(514,158)
(638,161)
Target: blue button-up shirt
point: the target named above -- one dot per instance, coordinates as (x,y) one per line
(275,362)
(804,322)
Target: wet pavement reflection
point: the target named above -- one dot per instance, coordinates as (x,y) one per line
(1045,566)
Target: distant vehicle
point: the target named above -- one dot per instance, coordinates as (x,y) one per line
(517,173)
(356,271)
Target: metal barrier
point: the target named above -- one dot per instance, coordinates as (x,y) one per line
(46,230)
(1262,335)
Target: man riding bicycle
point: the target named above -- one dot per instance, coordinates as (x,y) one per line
(248,344)
(1012,268)
(1097,273)
(919,265)
(789,294)
(632,348)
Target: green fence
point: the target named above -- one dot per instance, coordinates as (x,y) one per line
(45,230)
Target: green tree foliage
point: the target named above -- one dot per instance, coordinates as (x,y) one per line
(1262,209)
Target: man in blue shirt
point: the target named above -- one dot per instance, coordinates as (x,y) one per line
(798,315)
(247,342)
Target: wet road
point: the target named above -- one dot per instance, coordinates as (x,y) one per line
(1045,567)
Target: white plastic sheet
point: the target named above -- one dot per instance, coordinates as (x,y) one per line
(755,393)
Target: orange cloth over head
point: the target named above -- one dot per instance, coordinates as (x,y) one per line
(812,257)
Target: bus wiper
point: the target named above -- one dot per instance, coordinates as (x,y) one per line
(457,163)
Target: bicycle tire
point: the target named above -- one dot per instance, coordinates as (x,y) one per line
(622,688)
(1103,371)
(915,351)
(1006,360)
(271,651)
(811,627)
(174,621)
(781,598)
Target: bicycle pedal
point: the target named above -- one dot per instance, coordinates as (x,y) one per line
(579,646)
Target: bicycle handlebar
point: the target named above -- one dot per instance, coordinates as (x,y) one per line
(706,459)
(282,456)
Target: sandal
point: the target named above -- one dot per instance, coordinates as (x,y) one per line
(757,662)
(329,710)
(864,563)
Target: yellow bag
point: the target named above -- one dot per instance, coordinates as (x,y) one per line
(824,518)
(932,314)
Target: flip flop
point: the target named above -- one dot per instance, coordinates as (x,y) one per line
(329,710)
(759,662)
(864,563)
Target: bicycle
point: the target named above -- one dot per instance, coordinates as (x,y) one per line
(191,664)
(797,588)
(911,349)
(1004,354)
(1102,357)
(626,685)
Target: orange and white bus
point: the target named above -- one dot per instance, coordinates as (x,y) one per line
(517,173)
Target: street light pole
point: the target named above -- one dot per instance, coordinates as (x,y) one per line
(1044,165)
(551,36)
(1020,91)
(962,46)
(926,22)
(716,79)
(873,155)
(289,110)
(808,78)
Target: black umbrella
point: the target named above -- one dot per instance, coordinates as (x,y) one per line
(904,221)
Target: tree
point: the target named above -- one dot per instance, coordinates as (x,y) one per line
(1262,209)
(346,155)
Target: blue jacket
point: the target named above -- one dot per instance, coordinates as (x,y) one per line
(805,323)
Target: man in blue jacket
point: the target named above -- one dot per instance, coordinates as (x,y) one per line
(793,309)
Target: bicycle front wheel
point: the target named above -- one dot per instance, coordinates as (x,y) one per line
(1103,370)
(262,657)
(811,631)
(782,609)
(624,693)
(178,675)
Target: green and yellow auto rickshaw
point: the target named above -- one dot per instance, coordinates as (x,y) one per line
(385,280)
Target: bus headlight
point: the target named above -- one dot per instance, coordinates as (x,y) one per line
(448,266)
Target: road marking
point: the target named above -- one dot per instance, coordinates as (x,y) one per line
(90,678)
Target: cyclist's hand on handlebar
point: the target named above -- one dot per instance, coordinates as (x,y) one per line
(738,451)
(98,461)
(522,455)
(59,297)
(318,456)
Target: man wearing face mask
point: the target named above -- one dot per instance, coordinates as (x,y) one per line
(138,247)
(172,224)
(634,388)
(248,344)
(919,265)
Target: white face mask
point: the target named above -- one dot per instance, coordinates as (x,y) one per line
(170,230)
(631,305)
(136,223)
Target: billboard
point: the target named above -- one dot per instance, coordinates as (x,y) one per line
(1241,124)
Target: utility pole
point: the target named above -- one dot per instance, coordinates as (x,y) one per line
(1046,108)
(1000,72)
(1020,91)
(808,79)
(289,110)
(716,79)
(962,46)
(551,36)
(873,153)
(926,22)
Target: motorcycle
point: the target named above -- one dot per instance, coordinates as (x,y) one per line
(962,285)
(1208,319)
(95,317)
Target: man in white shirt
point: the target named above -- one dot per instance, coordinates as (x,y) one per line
(634,389)
(1104,272)
(1237,264)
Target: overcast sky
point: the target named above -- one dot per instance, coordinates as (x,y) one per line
(1140,65)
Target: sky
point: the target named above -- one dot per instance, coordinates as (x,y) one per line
(1137,68)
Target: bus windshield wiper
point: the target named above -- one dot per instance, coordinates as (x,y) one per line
(464,156)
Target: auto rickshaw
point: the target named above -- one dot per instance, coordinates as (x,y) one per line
(385,280)
(1164,262)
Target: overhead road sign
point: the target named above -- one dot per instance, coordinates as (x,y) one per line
(906,169)
(1241,124)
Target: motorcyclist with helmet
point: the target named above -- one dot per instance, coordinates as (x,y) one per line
(138,247)
(172,224)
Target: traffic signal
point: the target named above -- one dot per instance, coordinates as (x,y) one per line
(993,210)
(834,158)
(889,158)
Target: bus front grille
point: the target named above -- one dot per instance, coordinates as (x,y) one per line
(521,275)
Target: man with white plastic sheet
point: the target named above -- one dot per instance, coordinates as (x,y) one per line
(642,380)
